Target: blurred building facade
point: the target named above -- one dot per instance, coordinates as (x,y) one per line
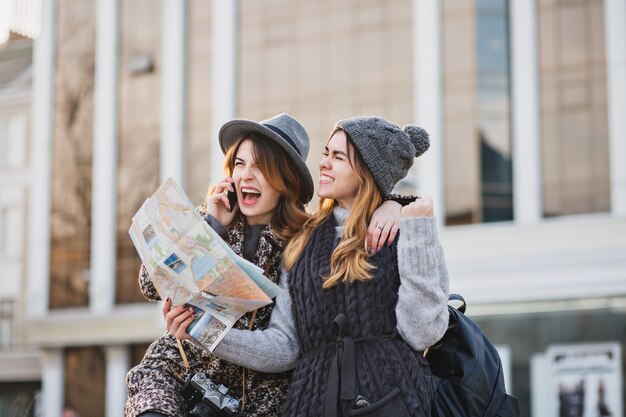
(20,370)
(525,101)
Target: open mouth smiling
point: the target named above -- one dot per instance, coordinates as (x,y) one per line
(250,195)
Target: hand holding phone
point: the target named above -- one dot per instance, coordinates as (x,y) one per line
(221,203)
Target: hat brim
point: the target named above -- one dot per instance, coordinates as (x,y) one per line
(234,130)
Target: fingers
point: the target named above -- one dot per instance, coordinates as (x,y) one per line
(221,192)
(384,232)
(384,225)
(373,236)
(177,320)
(221,198)
(181,333)
(387,234)
(422,207)
(381,235)
(225,185)
(166,307)
(393,232)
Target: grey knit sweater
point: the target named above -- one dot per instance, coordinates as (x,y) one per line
(422,313)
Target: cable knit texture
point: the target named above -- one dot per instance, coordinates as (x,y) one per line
(384,361)
(153,385)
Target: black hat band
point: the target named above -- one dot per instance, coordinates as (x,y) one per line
(284,136)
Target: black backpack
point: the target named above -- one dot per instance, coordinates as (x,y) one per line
(467,378)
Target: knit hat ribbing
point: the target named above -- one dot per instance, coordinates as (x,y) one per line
(387,150)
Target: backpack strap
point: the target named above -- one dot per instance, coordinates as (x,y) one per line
(458,297)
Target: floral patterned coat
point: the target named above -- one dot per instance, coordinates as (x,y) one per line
(154,384)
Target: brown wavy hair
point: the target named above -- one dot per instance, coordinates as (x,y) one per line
(349,261)
(281,174)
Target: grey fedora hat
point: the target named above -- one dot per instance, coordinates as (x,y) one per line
(285,131)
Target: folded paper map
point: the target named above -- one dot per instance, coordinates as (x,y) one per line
(190,263)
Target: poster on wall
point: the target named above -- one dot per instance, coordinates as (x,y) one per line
(585,380)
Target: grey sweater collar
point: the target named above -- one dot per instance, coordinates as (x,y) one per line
(341,215)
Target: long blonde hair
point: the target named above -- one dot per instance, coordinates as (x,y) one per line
(349,261)
(280,173)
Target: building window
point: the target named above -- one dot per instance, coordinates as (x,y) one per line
(139,133)
(574,125)
(72,154)
(477,112)
(3,230)
(13,140)
(494,110)
(7,320)
(11,231)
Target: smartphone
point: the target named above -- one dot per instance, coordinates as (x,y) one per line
(232,198)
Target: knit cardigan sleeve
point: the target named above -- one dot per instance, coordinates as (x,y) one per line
(274,349)
(422,311)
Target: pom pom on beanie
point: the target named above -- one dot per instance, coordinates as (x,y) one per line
(419,138)
(387,150)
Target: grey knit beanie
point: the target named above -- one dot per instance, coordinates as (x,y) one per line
(387,150)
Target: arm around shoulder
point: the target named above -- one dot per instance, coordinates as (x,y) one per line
(274,349)
(422,309)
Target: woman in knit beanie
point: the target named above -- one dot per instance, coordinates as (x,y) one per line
(354,323)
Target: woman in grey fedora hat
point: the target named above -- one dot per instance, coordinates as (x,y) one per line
(352,323)
(265,167)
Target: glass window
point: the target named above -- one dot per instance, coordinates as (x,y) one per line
(477,112)
(139,131)
(72,154)
(19,398)
(4,217)
(324,60)
(85,370)
(7,322)
(494,110)
(528,335)
(11,231)
(4,142)
(574,126)
(200,140)
(14,140)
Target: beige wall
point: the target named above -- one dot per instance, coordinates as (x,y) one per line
(325,60)
(573,107)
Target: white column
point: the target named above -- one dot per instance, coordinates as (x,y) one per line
(540,386)
(104,192)
(52,382)
(615,38)
(41,164)
(117,365)
(223,74)
(428,99)
(174,91)
(527,201)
